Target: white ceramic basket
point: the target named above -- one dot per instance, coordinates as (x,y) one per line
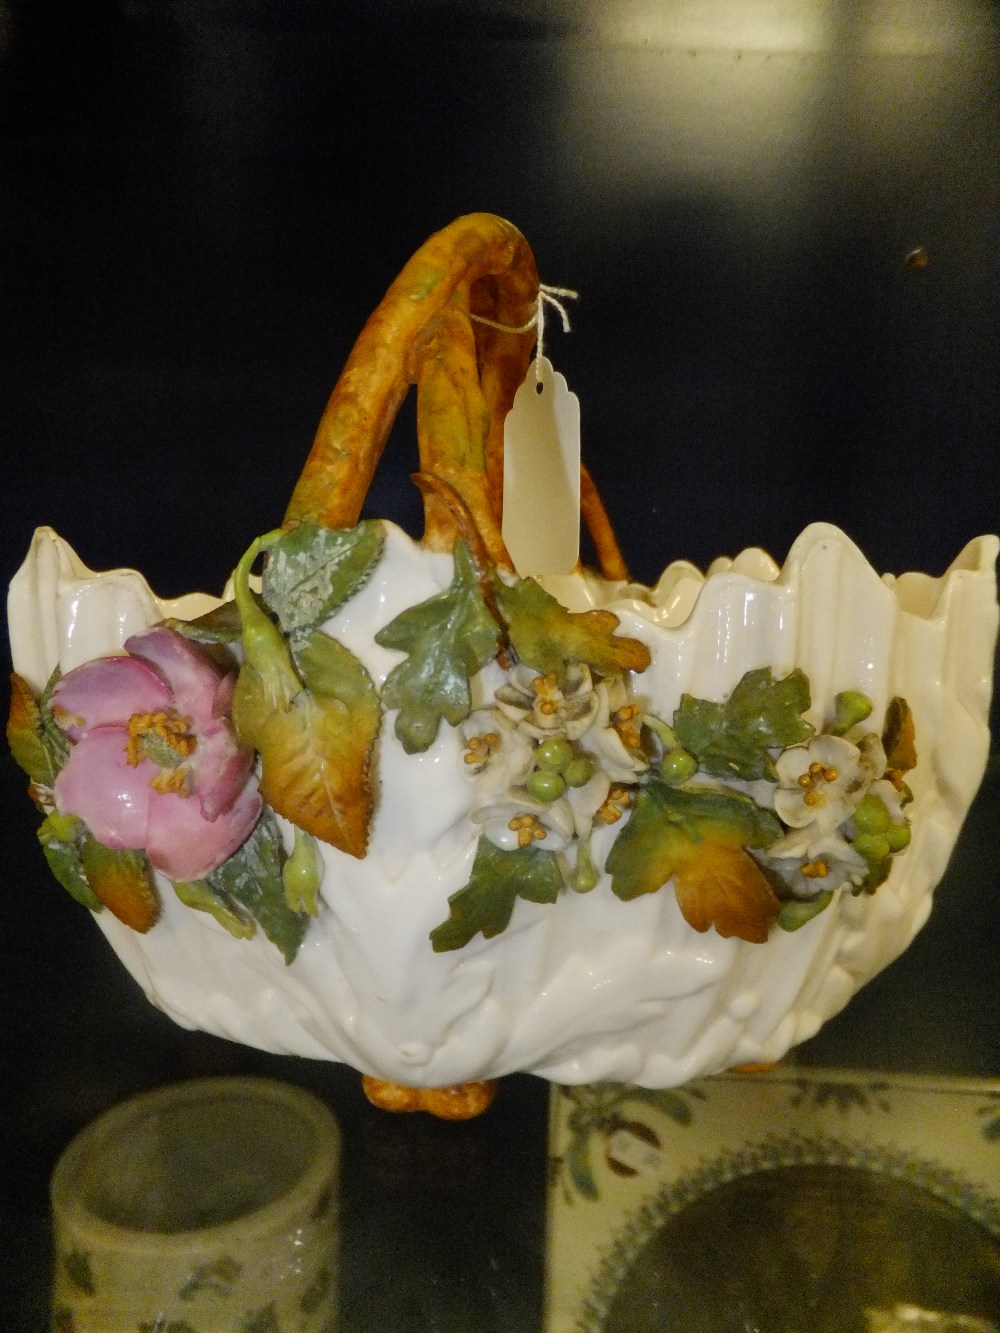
(588,987)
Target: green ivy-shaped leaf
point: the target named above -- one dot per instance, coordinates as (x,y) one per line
(79,1271)
(318,1290)
(252,876)
(579,1166)
(698,838)
(217,1277)
(733,739)
(546,636)
(312,571)
(260,1321)
(498,879)
(447,639)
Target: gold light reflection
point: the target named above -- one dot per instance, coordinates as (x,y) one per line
(714,95)
(898,27)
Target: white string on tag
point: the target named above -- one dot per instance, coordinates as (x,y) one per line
(546,293)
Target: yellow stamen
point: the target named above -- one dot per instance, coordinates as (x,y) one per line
(546,684)
(529,829)
(172,780)
(813,798)
(830,774)
(481,747)
(816,870)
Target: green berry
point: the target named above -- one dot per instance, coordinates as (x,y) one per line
(554,755)
(677,765)
(872,846)
(898,836)
(871,815)
(578,773)
(545,786)
(850,708)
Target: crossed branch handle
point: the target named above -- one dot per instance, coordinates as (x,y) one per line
(430,330)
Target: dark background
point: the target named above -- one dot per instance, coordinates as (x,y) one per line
(200,203)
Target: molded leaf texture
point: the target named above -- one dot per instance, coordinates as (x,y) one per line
(447,639)
(312,571)
(36,742)
(733,739)
(546,636)
(96,876)
(698,838)
(252,878)
(316,752)
(498,879)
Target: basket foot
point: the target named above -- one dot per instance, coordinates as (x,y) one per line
(459,1101)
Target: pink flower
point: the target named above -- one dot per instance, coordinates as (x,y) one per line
(154,762)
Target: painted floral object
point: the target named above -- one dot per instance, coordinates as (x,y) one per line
(154,764)
(574,826)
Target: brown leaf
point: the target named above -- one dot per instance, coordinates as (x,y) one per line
(317,755)
(722,886)
(23,734)
(123,881)
(899,740)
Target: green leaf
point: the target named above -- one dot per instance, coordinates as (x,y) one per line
(252,876)
(498,879)
(447,639)
(316,749)
(53,738)
(546,636)
(79,1271)
(97,876)
(223,624)
(196,893)
(24,733)
(260,1321)
(698,838)
(312,570)
(60,836)
(733,739)
(579,1166)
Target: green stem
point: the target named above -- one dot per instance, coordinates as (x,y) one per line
(263,642)
(664,734)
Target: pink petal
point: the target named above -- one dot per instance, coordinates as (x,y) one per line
(222,768)
(99,786)
(222,704)
(186,667)
(185,845)
(107,690)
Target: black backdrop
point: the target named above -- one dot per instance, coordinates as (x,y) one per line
(782,220)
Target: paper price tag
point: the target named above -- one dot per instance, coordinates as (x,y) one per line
(541,474)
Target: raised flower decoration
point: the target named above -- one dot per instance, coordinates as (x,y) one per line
(154,763)
(550,756)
